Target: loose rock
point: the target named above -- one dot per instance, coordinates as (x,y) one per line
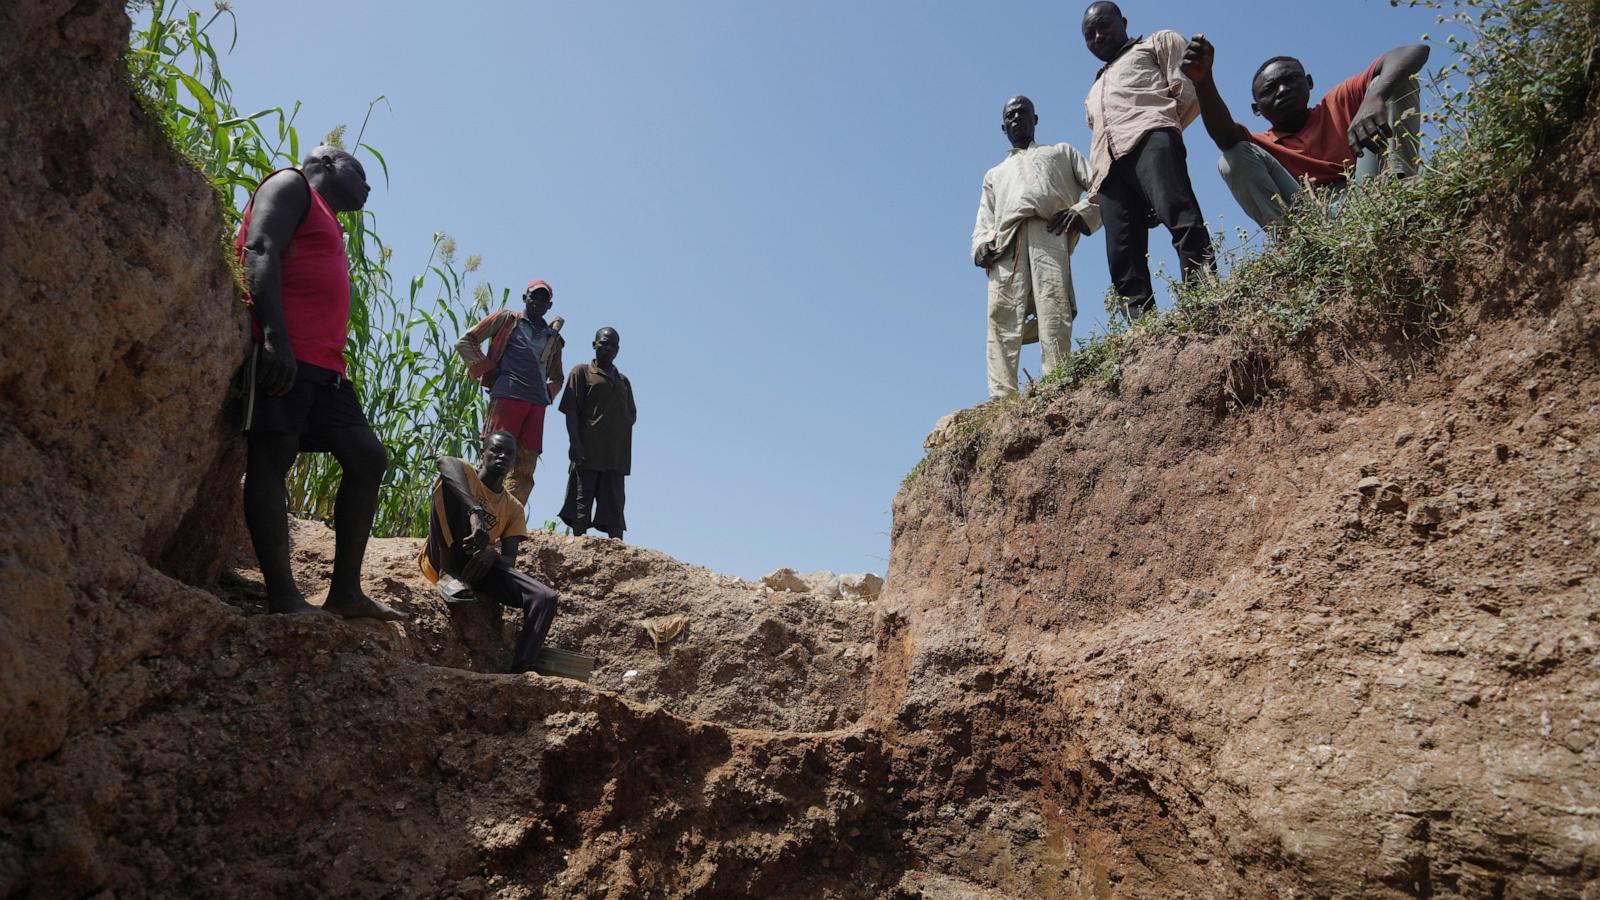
(860,586)
(785,579)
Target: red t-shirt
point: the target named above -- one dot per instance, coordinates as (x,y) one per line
(1321,150)
(316,285)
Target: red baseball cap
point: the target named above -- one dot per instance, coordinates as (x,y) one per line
(541,283)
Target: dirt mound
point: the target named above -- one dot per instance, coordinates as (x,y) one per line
(745,657)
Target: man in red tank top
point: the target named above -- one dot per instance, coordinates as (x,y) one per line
(298,280)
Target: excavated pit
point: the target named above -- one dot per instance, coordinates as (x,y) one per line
(1315,625)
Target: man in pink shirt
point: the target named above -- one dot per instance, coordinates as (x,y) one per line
(1369,120)
(299,399)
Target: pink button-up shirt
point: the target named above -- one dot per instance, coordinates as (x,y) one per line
(1139,92)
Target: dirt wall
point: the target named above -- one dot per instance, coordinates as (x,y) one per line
(1336,642)
(120,329)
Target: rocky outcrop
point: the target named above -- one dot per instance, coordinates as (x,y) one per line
(858,587)
(785,579)
(862,586)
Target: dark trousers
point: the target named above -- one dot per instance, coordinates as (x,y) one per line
(595,499)
(503,584)
(1152,178)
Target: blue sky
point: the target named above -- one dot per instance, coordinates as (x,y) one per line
(771,202)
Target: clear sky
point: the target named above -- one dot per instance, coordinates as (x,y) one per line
(771,202)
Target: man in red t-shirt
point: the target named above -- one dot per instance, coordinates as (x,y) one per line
(1367,120)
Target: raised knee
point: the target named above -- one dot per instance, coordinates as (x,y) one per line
(378,458)
(367,457)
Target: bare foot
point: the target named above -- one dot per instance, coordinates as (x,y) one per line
(360,606)
(293,605)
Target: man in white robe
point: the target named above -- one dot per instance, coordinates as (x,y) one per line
(1031,215)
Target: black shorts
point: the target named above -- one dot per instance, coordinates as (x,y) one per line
(320,401)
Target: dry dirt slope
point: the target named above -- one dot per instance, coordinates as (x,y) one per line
(1342,643)
(1135,646)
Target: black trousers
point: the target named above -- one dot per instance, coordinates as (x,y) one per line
(595,499)
(1152,178)
(503,584)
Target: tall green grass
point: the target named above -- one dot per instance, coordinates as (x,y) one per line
(400,354)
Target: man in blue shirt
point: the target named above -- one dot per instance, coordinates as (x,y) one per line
(522,373)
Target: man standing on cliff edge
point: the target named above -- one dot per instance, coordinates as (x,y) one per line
(521,372)
(297,279)
(1030,216)
(1138,107)
(598,404)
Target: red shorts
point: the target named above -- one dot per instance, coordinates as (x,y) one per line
(524,420)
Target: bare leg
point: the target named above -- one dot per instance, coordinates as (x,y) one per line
(266,514)
(363,460)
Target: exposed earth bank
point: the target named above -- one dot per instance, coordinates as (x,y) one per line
(1337,640)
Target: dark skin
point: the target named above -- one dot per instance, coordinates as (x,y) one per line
(1019,122)
(536,303)
(1281,94)
(280,204)
(499,456)
(606,345)
(1105,31)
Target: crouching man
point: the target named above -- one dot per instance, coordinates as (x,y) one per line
(474,528)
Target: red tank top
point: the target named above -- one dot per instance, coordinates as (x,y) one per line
(316,284)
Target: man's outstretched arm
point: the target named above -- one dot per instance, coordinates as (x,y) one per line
(1390,80)
(1197,62)
(280,204)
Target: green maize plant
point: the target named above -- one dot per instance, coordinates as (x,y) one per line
(174,68)
(401,351)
